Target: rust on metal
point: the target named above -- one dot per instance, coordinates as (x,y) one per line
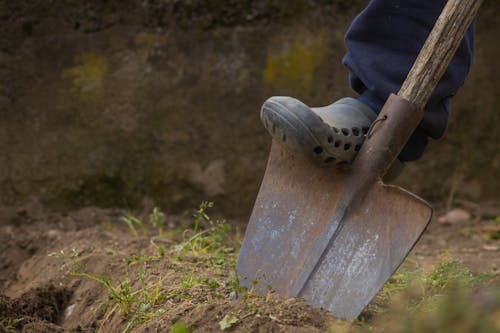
(294,208)
(334,237)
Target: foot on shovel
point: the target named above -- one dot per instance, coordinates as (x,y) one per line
(329,135)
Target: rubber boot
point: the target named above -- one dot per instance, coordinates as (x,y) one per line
(328,136)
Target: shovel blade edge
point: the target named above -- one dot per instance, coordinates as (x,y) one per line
(375,238)
(295,203)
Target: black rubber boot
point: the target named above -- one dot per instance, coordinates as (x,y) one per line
(329,135)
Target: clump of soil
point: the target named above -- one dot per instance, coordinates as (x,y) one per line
(276,315)
(42,307)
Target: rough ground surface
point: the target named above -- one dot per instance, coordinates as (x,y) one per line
(45,290)
(39,293)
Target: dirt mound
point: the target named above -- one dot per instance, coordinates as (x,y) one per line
(111,271)
(88,270)
(274,316)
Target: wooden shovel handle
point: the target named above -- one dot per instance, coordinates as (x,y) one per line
(438,50)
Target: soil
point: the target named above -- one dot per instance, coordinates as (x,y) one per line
(38,294)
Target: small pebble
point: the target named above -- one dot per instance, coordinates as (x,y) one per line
(69,310)
(456,215)
(52,234)
(490,247)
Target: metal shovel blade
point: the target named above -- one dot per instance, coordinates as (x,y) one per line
(334,237)
(296,204)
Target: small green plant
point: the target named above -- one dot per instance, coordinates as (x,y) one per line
(136,304)
(157,220)
(448,274)
(180,328)
(121,296)
(417,290)
(457,310)
(407,279)
(131,222)
(212,284)
(200,214)
(228,321)
(208,239)
(141,315)
(8,324)
(70,260)
(191,281)
(140,294)
(235,288)
(151,294)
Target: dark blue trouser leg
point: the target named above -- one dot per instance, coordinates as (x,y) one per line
(383,41)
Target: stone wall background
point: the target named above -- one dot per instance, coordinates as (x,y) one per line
(109,102)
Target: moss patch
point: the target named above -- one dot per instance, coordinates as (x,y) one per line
(87,76)
(295,63)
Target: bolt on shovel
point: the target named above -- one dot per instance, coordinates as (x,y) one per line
(334,237)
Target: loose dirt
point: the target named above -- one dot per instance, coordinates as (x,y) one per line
(54,268)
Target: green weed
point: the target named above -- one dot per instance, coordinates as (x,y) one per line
(408,277)
(235,288)
(212,284)
(131,221)
(420,291)
(412,301)
(136,304)
(7,324)
(228,321)
(180,328)
(459,310)
(448,274)
(200,214)
(138,296)
(142,315)
(208,239)
(157,220)
(191,281)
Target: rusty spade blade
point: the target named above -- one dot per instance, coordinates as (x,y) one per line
(332,237)
(335,237)
(296,205)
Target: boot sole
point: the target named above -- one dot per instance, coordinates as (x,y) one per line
(293,124)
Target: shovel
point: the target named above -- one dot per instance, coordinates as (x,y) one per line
(334,237)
